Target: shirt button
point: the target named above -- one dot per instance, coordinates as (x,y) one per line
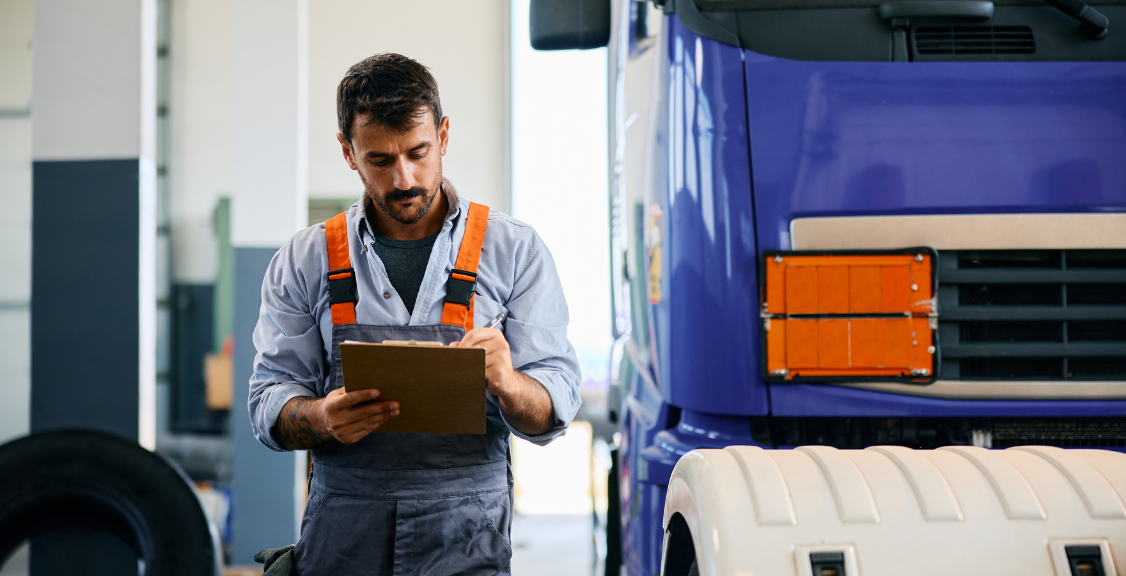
(386,294)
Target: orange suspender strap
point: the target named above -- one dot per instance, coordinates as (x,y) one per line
(458,309)
(341,277)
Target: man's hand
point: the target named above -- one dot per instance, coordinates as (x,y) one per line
(523,400)
(349,416)
(346,416)
(499,372)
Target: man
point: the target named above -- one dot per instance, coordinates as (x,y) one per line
(411,260)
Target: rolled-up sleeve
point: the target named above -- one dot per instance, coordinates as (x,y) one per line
(289,362)
(536,330)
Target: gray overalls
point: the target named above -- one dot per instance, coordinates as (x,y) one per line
(401,504)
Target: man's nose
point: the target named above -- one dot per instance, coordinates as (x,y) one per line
(403,174)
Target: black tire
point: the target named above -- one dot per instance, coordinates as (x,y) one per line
(613,519)
(83,479)
(679,552)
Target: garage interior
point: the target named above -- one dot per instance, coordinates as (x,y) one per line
(845,281)
(179,145)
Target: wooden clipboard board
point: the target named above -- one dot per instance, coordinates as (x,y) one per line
(440,389)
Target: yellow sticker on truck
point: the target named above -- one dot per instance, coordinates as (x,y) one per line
(654,240)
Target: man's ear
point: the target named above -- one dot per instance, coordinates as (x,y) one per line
(443,134)
(346,149)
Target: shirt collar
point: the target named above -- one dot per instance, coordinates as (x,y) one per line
(364,229)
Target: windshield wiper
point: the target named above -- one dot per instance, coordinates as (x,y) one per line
(1094,23)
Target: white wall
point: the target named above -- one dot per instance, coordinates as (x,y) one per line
(269,125)
(15,217)
(93,99)
(201,107)
(465,46)
(463,43)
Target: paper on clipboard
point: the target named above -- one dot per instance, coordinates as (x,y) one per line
(440,389)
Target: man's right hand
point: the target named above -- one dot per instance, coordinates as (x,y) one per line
(346,416)
(350,416)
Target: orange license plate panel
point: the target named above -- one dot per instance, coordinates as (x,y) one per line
(849,315)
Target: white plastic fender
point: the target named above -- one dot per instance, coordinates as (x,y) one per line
(893,511)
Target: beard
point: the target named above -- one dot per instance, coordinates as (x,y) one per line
(388,201)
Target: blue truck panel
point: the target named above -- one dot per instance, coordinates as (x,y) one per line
(707,319)
(742,144)
(852,138)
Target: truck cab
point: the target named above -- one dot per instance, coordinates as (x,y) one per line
(763,152)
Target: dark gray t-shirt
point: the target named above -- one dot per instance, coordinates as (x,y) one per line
(405,261)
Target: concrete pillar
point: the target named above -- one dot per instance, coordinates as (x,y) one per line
(269,203)
(15,218)
(94,202)
(93,304)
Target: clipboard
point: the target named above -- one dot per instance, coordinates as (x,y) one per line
(440,389)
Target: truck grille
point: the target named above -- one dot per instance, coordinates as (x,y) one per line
(974,40)
(1063,432)
(1032,314)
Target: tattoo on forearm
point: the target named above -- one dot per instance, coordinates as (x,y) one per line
(295,429)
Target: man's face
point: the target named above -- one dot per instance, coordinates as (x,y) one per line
(401,171)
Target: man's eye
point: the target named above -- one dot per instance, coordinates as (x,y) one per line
(380,163)
(418,156)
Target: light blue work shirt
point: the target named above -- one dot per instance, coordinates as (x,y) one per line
(516,273)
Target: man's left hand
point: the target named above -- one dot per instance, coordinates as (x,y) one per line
(498,358)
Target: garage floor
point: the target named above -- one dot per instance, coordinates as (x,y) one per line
(552,545)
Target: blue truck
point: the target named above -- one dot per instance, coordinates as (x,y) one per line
(989,136)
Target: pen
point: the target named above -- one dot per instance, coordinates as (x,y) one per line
(497,319)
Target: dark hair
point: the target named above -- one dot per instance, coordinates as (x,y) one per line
(392,88)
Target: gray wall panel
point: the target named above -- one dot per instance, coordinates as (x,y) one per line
(263,481)
(84,304)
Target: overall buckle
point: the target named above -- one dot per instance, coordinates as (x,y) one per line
(341,286)
(460,291)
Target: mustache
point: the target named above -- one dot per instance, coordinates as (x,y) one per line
(397,194)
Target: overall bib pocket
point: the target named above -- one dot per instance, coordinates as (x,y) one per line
(347,536)
(459,535)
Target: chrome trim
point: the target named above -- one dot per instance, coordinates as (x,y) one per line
(961,232)
(1007,390)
